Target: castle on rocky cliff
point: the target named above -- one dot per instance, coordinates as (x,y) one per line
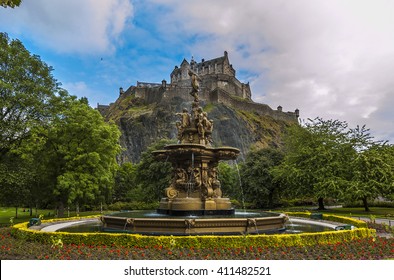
(218,85)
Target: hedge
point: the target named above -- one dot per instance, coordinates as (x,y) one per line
(238,241)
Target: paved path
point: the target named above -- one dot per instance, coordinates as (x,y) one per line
(59,225)
(389,222)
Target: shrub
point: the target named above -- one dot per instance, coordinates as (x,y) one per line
(130,240)
(135,205)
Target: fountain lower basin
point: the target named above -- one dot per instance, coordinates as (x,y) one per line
(149,223)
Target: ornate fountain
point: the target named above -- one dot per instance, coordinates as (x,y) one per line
(193,202)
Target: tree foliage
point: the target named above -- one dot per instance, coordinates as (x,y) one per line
(10,3)
(230,181)
(61,149)
(81,149)
(372,175)
(126,188)
(153,176)
(27,88)
(315,160)
(15,181)
(258,182)
(326,158)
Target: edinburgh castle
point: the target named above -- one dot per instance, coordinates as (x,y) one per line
(147,110)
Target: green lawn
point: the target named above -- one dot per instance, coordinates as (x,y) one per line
(376,212)
(7,212)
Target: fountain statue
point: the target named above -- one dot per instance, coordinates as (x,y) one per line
(193,202)
(195,188)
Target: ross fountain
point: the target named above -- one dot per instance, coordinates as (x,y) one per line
(193,202)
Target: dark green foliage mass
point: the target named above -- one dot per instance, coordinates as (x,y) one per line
(54,148)
(230,181)
(81,149)
(327,159)
(153,176)
(259,185)
(27,88)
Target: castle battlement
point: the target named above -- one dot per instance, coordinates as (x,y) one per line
(218,84)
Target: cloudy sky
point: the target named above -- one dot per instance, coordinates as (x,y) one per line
(333,59)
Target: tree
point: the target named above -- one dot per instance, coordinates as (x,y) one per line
(153,176)
(258,182)
(10,3)
(27,94)
(316,159)
(126,188)
(372,175)
(79,150)
(15,179)
(230,181)
(26,90)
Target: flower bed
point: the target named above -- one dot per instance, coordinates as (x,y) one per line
(372,248)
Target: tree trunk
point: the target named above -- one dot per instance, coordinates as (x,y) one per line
(271,200)
(61,210)
(365,203)
(16,212)
(321,204)
(31,211)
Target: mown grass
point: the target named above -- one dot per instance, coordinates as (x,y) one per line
(6,213)
(376,212)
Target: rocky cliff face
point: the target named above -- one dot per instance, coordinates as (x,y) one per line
(142,124)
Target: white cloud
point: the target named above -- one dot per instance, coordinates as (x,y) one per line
(332,59)
(89,26)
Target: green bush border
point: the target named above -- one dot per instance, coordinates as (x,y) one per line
(240,241)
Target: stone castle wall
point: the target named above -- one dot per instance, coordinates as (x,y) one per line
(250,106)
(215,91)
(218,85)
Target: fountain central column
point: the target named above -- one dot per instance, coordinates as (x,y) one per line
(195,188)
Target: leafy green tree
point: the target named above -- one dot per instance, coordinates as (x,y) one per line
(26,90)
(326,158)
(28,94)
(79,152)
(126,188)
(316,159)
(58,140)
(258,182)
(153,176)
(230,181)
(15,179)
(372,175)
